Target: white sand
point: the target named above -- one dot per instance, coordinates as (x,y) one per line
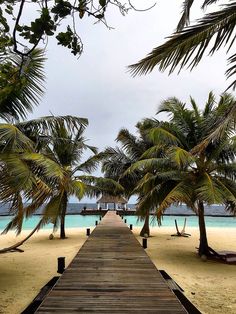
(210,285)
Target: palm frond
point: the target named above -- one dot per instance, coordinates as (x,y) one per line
(17,221)
(162,136)
(209,191)
(89,165)
(188,46)
(97,185)
(180,156)
(171,106)
(77,188)
(195,109)
(208,2)
(23,86)
(231,71)
(12,139)
(184,20)
(52,210)
(50,168)
(180,193)
(148,165)
(209,104)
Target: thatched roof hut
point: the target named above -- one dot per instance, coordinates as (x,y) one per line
(117,201)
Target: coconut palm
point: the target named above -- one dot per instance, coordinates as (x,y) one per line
(187,46)
(119,159)
(65,148)
(187,174)
(48,171)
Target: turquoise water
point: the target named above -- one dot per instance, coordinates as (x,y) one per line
(78,221)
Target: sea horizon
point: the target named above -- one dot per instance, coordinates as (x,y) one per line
(180,210)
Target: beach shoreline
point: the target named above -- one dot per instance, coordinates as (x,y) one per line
(209,285)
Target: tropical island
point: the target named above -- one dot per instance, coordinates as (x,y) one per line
(182,153)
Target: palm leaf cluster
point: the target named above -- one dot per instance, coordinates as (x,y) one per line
(21,84)
(188,172)
(49,173)
(188,159)
(187,46)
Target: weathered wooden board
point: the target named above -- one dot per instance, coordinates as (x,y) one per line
(111,274)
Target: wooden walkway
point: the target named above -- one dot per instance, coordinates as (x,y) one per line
(111,274)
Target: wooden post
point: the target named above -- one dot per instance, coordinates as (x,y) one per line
(88,231)
(100,218)
(60,265)
(144,243)
(96,223)
(131,227)
(125,221)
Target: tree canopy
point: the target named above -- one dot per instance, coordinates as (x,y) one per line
(26,24)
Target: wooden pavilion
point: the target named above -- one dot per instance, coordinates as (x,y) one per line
(117,202)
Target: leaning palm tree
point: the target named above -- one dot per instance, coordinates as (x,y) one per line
(189,173)
(187,46)
(49,176)
(65,148)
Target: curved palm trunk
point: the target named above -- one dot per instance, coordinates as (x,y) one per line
(203,247)
(15,246)
(63,215)
(145,230)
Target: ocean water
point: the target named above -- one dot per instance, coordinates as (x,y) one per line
(218,217)
(76,208)
(81,221)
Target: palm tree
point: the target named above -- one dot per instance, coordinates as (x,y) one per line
(51,175)
(189,173)
(119,159)
(21,84)
(187,46)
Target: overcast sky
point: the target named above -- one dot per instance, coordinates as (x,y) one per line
(98,86)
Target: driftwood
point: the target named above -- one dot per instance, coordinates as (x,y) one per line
(14,248)
(182,232)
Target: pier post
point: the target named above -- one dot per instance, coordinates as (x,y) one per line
(88,231)
(60,265)
(144,243)
(131,227)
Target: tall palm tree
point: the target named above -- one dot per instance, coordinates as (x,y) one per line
(189,173)
(119,159)
(187,46)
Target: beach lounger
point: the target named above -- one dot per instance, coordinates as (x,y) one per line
(224,256)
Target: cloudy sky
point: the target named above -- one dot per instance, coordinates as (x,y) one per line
(98,86)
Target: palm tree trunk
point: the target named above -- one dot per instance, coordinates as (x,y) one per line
(145,230)
(63,215)
(15,246)
(203,247)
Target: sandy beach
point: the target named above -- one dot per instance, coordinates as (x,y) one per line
(209,285)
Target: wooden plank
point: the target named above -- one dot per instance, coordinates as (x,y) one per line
(111,274)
